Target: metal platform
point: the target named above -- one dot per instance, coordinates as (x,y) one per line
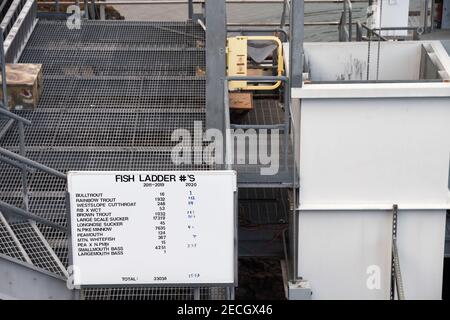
(266,111)
(113,94)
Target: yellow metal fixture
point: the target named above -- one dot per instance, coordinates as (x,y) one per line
(237,61)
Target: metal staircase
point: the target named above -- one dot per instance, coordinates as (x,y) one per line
(29,268)
(113,94)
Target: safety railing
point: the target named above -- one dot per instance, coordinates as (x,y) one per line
(20,160)
(346,23)
(287,110)
(363,32)
(92,5)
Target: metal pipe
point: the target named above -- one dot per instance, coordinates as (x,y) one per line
(373,31)
(397,28)
(425,18)
(241,30)
(358,31)
(32,163)
(190,9)
(94,10)
(102,9)
(17,165)
(25,214)
(86,9)
(6,128)
(273,24)
(24,171)
(283,14)
(375,81)
(258,127)
(14,116)
(258,78)
(3,62)
(350,19)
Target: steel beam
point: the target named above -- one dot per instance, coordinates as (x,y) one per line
(21,280)
(31,163)
(3,66)
(10,209)
(296,43)
(190,9)
(216,37)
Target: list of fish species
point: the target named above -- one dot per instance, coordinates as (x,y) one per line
(96,224)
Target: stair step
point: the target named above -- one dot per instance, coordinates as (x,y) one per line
(9,245)
(39,252)
(97,34)
(142,62)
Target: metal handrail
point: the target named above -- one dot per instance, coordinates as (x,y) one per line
(374,31)
(287,109)
(25,161)
(286,9)
(14,116)
(19,160)
(346,24)
(25,214)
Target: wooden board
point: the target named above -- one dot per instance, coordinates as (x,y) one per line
(241,101)
(24,85)
(259,72)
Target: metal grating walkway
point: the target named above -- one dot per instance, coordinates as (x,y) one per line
(113,93)
(9,246)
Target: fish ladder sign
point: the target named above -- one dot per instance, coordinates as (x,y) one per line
(153,228)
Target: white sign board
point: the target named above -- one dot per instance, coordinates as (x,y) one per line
(155,228)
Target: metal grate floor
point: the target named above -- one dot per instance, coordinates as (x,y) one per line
(82,128)
(118,61)
(8,245)
(265,112)
(113,93)
(39,254)
(179,293)
(56,34)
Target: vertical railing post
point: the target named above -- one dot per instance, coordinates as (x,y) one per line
(86,9)
(358,31)
(283,14)
(296,81)
(190,9)
(350,19)
(425,18)
(24,170)
(3,62)
(102,9)
(94,10)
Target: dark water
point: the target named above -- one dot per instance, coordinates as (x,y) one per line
(267,13)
